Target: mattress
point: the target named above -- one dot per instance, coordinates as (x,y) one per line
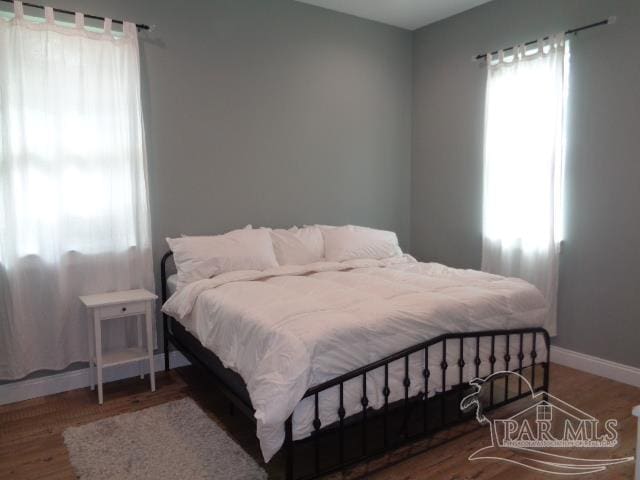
(289,328)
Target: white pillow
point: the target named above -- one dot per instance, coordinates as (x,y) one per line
(298,246)
(197,258)
(351,242)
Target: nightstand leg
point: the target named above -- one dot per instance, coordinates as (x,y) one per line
(139,321)
(149,322)
(91,343)
(98,337)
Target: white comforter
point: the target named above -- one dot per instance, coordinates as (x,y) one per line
(289,328)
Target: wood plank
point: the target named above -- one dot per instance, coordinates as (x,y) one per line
(32,447)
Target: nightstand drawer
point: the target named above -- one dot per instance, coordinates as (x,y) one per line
(122,310)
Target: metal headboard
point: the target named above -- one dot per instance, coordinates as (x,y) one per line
(163,273)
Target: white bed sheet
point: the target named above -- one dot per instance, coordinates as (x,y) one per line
(289,328)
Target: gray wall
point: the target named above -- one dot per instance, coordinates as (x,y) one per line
(270,112)
(599,299)
(275,112)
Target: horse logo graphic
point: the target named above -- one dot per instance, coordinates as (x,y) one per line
(536,436)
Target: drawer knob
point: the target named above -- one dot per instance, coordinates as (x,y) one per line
(124,309)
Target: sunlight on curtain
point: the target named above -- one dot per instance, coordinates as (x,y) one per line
(73,190)
(524,164)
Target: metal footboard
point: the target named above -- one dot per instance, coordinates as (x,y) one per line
(431,412)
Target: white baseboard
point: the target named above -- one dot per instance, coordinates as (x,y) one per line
(62,382)
(595,365)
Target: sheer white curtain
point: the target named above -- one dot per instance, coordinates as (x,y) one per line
(523,164)
(73,190)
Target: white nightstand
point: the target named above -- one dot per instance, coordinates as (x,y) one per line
(105,306)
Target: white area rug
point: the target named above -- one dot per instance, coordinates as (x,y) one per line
(171,441)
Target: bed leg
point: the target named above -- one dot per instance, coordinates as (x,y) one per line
(165,331)
(288,444)
(547,365)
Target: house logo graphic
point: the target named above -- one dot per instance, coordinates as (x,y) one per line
(539,436)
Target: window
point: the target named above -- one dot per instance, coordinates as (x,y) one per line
(73,195)
(524,145)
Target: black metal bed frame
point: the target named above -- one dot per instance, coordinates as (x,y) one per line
(435,414)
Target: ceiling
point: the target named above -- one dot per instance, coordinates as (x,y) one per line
(409,14)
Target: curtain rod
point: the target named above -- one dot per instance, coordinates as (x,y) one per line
(609,20)
(140,26)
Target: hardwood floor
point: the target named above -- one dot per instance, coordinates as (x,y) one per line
(31,445)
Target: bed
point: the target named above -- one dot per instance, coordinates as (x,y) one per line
(342,361)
